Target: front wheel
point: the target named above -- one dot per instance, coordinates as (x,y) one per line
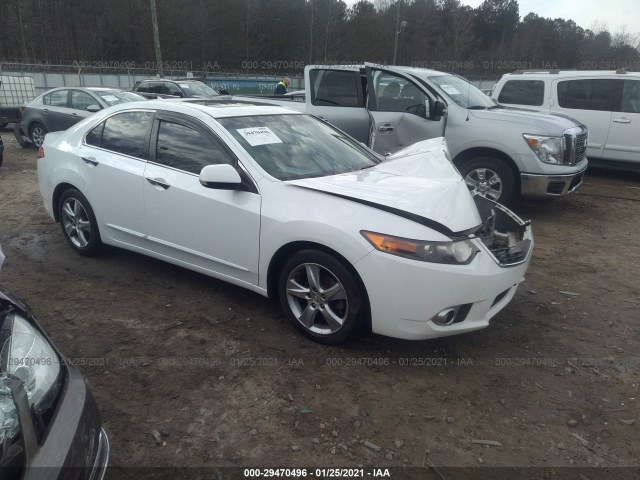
(320,296)
(78,223)
(490,178)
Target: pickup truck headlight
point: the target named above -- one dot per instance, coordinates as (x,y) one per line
(548,149)
(457,252)
(27,355)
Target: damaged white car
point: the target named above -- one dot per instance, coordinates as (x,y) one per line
(288,206)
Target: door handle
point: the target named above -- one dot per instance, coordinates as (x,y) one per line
(385,128)
(45,110)
(73,114)
(90,161)
(622,120)
(158,182)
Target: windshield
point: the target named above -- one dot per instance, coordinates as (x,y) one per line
(462,92)
(115,97)
(290,147)
(197,89)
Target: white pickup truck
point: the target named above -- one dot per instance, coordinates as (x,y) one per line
(501,152)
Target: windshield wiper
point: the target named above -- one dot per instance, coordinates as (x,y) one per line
(477,107)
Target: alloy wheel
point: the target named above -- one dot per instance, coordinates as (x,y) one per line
(484,182)
(76,222)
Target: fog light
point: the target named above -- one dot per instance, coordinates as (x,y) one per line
(445,317)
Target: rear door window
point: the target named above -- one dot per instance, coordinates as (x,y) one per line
(335,88)
(57,99)
(588,94)
(630,96)
(522,92)
(171,89)
(126,133)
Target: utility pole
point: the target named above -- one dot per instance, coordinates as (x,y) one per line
(156,38)
(398,29)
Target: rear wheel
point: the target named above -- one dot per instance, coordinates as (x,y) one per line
(489,177)
(18,134)
(78,223)
(37,132)
(320,296)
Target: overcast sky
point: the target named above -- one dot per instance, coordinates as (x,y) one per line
(616,14)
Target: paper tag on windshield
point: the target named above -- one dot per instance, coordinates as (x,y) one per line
(259,136)
(450,90)
(110,98)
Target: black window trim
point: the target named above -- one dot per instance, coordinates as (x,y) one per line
(521,80)
(104,119)
(187,121)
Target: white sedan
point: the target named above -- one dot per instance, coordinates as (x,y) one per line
(286,205)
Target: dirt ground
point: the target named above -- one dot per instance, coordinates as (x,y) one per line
(223,378)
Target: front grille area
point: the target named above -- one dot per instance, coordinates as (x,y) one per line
(515,254)
(581,147)
(555,188)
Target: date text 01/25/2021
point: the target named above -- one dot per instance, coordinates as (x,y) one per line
(316,473)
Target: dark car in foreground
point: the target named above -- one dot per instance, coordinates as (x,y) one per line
(60,108)
(165,88)
(50,425)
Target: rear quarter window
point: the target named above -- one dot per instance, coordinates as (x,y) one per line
(522,92)
(588,94)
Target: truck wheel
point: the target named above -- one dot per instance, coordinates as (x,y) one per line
(489,177)
(18,135)
(37,133)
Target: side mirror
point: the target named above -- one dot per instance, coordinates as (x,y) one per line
(439,109)
(93,108)
(222,176)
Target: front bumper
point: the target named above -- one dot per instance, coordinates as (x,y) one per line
(411,293)
(537,186)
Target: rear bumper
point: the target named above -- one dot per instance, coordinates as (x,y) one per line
(536,186)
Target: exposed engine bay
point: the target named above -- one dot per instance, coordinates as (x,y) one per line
(502,232)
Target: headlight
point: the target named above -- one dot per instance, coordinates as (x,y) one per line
(27,355)
(459,252)
(548,149)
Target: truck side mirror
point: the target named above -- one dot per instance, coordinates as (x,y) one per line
(439,110)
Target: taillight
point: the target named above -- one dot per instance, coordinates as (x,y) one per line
(41,152)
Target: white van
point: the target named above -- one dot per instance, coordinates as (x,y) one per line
(607,102)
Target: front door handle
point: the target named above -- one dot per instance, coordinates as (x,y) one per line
(90,161)
(385,128)
(622,120)
(158,182)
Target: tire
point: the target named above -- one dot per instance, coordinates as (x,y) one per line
(489,177)
(37,131)
(304,282)
(18,134)
(78,223)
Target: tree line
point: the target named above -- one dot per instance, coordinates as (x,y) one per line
(281,36)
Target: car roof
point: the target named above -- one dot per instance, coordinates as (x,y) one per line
(223,108)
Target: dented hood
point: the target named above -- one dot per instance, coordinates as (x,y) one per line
(419,180)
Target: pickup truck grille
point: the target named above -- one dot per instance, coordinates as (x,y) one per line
(575,148)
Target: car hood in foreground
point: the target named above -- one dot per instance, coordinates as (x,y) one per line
(419,181)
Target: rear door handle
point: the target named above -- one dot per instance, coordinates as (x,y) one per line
(622,120)
(385,128)
(90,161)
(158,182)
